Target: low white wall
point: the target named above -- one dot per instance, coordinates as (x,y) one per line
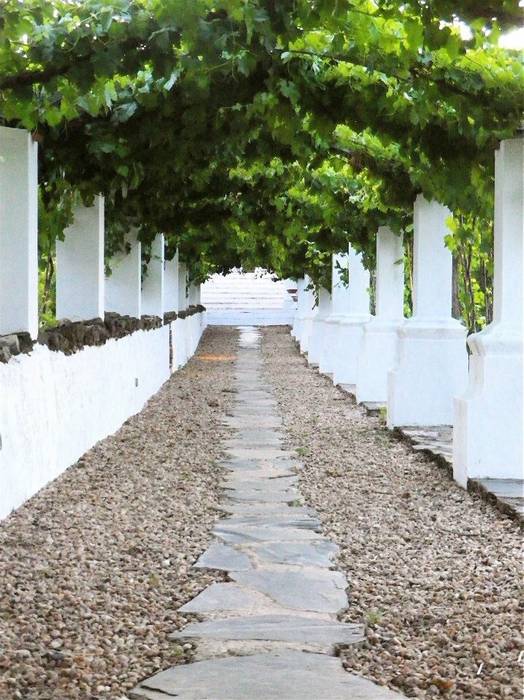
(54,407)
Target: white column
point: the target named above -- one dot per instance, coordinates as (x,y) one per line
(318,330)
(310,310)
(123,292)
(80,265)
(182,286)
(153,284)
(171,284)
(489,417)
(299,311)
(339,264)
(355,314)
(18,232)
(431,364)
(379,341)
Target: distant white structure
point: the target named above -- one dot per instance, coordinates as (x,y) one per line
(248,299)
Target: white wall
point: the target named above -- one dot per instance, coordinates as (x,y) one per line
(247,298)
(54,407)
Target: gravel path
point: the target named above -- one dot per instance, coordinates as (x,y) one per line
(94,567)
(432,570)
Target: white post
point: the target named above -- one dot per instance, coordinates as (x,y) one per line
(182,286)
(153,284)
(318,330)
(298,317)
(331,326)
(489,417)
(379,341)
(355,299)
(431,364)
(171,284)
(123,286)
(18,232)
(310,311)
(80,265)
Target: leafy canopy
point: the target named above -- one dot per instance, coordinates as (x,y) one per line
(261,132)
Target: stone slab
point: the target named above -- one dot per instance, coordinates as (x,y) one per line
(280,628)
(287,675)
(224,558)
(317,590)
(247,534)
(230,597)
(311,554)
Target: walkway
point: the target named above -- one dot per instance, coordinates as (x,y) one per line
(271,631)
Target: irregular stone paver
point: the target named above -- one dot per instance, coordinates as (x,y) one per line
(224,558)
(283,628)
(317,590)
(289,675)
(283,597)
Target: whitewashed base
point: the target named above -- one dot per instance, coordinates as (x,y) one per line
(306,333)
(376,358)
(346,351)
(316,340)
(489,420)
(431,369)
(331,328)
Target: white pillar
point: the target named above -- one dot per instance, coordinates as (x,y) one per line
(355,315)
(80,265)
(123,286)
(298,317)
(489,417)
(153,284)
(310,311)
(18,232)
(182,286)
(171,284)
(379,341)
(431,364)
(331,326)
(318,330)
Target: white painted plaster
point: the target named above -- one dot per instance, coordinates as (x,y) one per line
(354,301)
(80,265)
(18,232)
(248,298)
(431,364)
(54,407)
(318,329)
(182,286)
(298,318)
(489,416)
(340,263)
(310,311)
(171,284)
(379,339)
(123,288)
(153,282)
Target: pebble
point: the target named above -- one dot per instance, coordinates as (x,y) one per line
(94,566)
(440,565)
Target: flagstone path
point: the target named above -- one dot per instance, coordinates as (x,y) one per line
(271,631)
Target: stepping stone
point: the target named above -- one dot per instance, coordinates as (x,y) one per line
(306,522)
(247,495)
(247,534)
(286,675)
(296,553)
(224,558)
(317,590)
(265,453)
(230,597)
(278,628)
(262,484)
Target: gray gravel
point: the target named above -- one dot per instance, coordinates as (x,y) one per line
(94,567)
(433,570)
